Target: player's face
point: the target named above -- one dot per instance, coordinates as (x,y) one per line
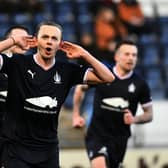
(16,49)
(126,57)
(48,41)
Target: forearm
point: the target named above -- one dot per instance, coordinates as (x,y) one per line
(143,118)
(77,100)
(5,44)
(101,71)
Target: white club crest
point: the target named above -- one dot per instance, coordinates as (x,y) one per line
(57,78)
(103,150)
(131,88)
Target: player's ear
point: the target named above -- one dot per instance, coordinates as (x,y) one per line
(115,57)
(61,44)
(35,41)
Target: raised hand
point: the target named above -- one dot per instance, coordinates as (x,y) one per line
(32,42)
(25,42)
(72,50)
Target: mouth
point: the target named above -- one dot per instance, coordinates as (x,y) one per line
(130,63)
(48,49)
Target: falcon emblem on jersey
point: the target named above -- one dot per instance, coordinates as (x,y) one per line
(43,102)
(131,88)
(31,73)
(57,78)
(103,150)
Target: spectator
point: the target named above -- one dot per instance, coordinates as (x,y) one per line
(107,30)
(14,30)
(132,16)
(10,6)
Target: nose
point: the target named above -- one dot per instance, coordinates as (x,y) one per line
(49,41)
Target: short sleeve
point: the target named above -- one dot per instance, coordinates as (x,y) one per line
(145,95)
(4,62)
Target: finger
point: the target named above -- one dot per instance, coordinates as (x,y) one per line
(126,111)
(67,45)
(32,44)
(77,126)
(29,38)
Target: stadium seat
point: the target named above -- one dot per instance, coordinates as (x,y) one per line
(154,79)
(3,28)
(151,55)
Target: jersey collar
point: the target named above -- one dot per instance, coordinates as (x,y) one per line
(35,59)
(122,77)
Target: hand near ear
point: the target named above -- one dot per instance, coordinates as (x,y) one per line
(72,50)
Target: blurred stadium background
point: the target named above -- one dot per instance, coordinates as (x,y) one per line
(149,142)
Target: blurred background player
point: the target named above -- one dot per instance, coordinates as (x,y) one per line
(115,106)
(14,30)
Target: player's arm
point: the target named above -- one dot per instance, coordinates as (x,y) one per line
(145,117)
(7,43)
(99,73)
(22,41)
(77,119)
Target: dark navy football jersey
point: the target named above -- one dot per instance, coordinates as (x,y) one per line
(3,94)
(111,99)
(35,97)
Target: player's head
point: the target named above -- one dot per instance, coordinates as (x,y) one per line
(49,35)
(16,30)
(126,53)
(48,23)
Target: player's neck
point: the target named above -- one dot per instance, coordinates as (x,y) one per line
(121,73)
(44,63)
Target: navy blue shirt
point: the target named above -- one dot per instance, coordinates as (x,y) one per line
(34,99)
(109,102)
(3,94)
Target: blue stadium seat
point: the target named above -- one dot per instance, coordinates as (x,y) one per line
(42,16)
(3,29)
(151,55)
(154,79)
(69,32)
(84,18)
(165,56)
(21,18)
(146,39)
(164,34)
(63,12)
(4,18)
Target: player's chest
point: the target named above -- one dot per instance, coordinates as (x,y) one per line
(43,81)
(124,88)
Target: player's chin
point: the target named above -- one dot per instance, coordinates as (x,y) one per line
(130,67)
(49,54)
